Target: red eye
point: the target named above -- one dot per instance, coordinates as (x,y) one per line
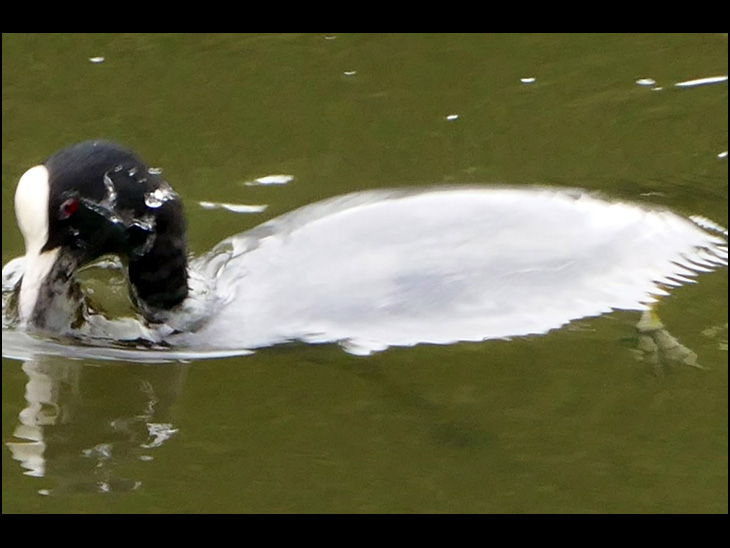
(68,208)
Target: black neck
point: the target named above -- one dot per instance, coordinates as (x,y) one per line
(159,274)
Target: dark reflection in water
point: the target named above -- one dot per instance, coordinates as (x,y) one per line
(85,425)
(82,425)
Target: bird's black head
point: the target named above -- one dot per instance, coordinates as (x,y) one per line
(91,199)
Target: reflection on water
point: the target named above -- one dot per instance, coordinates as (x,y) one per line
(83,426)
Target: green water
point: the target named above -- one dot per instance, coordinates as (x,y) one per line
(571,421)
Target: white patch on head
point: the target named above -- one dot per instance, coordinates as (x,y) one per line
(31,207)
(31,210)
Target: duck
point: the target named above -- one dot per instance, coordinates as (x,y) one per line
(367,270)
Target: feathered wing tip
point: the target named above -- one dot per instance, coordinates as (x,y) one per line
(707,251)
(707,224)
(713,253)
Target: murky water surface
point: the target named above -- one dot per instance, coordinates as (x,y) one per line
(593,417)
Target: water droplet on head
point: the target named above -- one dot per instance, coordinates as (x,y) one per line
(159,196)
(142,230)
(153,199)
(146,223)
(111,192)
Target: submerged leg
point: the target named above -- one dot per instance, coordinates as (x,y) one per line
(659,348)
